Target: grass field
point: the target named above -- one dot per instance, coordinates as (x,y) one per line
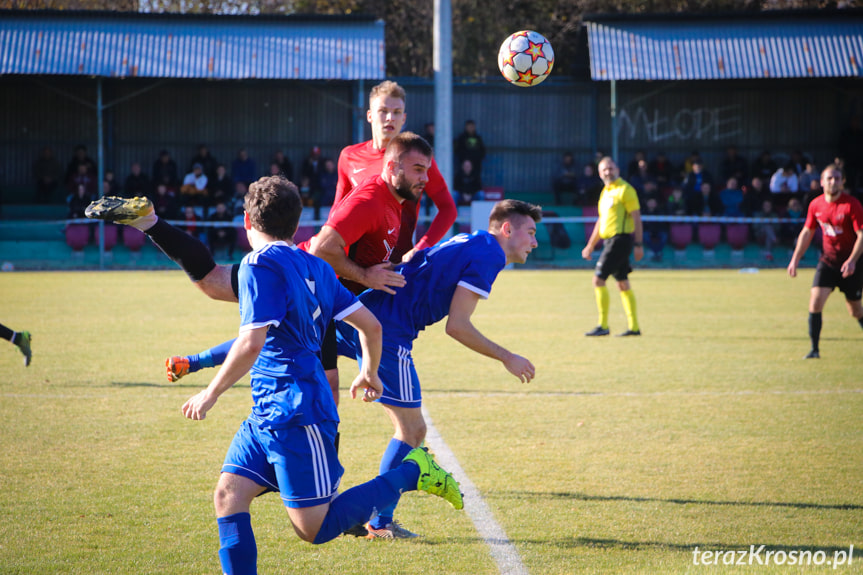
(622,456)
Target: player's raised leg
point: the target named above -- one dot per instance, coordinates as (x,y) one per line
(186,251)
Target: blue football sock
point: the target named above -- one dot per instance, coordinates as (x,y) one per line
(357,504)
(396,451)
(238,552)
(210,357)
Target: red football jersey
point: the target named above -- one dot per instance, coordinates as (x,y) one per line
(369,221)
(839,223)
(362,161)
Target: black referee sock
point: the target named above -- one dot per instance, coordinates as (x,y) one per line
(815,329)
(860,321)
(6,333)
(186,251)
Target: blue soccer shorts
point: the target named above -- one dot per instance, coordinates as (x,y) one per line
(397,371)
(298,462)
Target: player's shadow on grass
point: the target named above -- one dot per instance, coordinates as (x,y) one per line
(151,384)
(676,501)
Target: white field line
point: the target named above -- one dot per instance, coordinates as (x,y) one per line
(739,392)
(502,550)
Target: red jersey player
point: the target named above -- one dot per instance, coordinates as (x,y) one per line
(386,114)
(840,217)
(360,234)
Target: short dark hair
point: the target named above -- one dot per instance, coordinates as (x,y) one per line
(274,206)
(408,142)
(387,89)
(505,209)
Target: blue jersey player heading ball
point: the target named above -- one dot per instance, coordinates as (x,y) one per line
(287,297)
(446,280)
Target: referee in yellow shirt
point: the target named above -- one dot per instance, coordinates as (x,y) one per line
(619,226)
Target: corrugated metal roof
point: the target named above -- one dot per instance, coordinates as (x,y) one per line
(722,49)
(225,47)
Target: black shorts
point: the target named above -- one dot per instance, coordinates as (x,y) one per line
(614,259)
(329,351)
(826,276)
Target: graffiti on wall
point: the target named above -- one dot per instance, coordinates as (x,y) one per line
(686,125)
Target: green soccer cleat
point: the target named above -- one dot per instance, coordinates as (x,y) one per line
(120,210)
(434,479)
(23,343)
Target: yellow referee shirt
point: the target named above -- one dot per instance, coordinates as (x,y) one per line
(616,202)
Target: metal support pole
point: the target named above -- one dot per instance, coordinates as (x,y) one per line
(100,170)
(443,87)
(614,149)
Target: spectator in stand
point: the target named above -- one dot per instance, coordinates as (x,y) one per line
(633,166)
(589,186)
(110,186)
(329,180)
(662,171)
(784,180)
(310,176)
(222,237)
(766,232)
(78,159)
(239,199)
(705,202)
(851,148)
(789,230)
(165,170)
(78,202)
(798,160)
(206,160)
(47,172)
(686,168)
(83,178)
(470,146)
(812,192)
(137,183)
(165,203)
(642,181)
(757,193)
(467,185)
(243,168)
(696,177)
(565,179)
(191,219)
(731,199)
(734,165)
(286,168)
(676,203)
(655,233)
(806,177)
(428,133)
(764,167)
(194,188)
(221,187)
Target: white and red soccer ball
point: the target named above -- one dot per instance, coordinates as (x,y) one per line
(525,58)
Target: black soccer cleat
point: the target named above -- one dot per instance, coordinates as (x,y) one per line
(629,332)
(598,330)
(813,354)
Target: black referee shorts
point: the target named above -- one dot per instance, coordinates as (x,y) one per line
(614,259)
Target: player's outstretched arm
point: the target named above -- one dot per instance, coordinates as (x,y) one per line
(369,329)
(330,247)
(240,359)
(460,328)
(850,265)
(803,241)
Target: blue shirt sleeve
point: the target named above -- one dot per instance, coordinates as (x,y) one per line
(482,269)
(262,293)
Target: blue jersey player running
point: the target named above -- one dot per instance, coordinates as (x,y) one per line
(287,297)
(448,279)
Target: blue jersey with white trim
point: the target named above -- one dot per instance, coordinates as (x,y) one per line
(431,277)
(296,295)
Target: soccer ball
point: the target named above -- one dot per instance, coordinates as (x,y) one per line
(525,58)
